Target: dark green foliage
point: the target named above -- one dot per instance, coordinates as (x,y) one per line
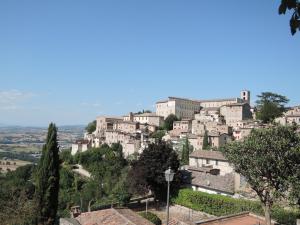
(120,191)
(148,171)
(267,158)
(91,127)
(293,5)
(48,179)
(17,204)
(168,124)
(151,217)
(20,155)
(206,145)
(219,205)
(109,175)
(185,153)
(144,111)
(66,157)
(158,135)
(270,106)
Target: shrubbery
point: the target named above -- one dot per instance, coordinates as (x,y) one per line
(222,205)
(151,217)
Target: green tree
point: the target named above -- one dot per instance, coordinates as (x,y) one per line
(293,5)
(91,127)
(158,134)
(266,158)
(48,179)
(120,191)
(187,148)
(270,106)
(206,144)
(168,124)
(17,203)
(148,172)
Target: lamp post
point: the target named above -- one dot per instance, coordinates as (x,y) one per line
(169,174)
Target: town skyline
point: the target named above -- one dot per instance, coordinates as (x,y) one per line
(15,101)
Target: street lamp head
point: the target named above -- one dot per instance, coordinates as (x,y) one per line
(169,174)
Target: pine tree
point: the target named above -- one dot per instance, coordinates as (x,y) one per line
(48,179)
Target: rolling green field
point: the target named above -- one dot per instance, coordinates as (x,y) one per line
(20,148)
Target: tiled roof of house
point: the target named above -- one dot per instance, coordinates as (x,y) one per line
(238,104)
(208,155)
(213,182)
(146,115)
(112,217)
(219,100)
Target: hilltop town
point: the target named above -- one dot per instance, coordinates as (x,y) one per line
(207,125)
(220,120)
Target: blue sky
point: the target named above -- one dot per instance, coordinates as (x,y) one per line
(68,61)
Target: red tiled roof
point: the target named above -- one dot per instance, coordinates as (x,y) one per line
(112,217)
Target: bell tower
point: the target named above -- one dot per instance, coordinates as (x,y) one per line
(245,95)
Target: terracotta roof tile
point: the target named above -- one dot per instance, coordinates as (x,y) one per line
(208,155)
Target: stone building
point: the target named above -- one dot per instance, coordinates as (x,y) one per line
(181,107)
(241,133)
(126,126)
(217,103)
(196,141)
(215,140)
(236,112)
(211,172)
(209,115)
(145,118)
(198,127)
(106,123)
(130,142)
(218,127)
(184,126)
(216,159)
(187,108)
(80,146)
(290,117)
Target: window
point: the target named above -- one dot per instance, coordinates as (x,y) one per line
(217,162)
(207,161)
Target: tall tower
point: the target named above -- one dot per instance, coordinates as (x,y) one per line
(245,95)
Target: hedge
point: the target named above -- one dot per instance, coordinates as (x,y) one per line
(219,205)
(151,217)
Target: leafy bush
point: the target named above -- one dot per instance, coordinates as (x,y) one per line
(219,205)
(151,217)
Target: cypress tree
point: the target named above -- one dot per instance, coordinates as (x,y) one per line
(185,152)
(48,179)
(206,145)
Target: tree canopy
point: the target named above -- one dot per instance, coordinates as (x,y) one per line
(293,5)
(267,158)
(168,124)
(270,106)
(147,173)
(91,127)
